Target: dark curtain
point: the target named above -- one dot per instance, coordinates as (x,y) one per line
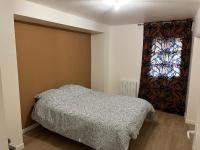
(165,64)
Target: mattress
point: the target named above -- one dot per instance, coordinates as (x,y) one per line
(96,119)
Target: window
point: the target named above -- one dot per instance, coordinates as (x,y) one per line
(166,58)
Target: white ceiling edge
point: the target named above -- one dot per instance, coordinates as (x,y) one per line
(53,24)
(138,11)
(30,12)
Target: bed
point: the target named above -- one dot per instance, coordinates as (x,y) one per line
(96,119)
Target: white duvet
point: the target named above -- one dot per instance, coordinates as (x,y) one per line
(99,120)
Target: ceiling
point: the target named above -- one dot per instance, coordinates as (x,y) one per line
(136,11)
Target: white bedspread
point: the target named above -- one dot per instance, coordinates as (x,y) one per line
(99,120)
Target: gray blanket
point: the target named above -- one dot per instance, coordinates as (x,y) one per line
(99,120)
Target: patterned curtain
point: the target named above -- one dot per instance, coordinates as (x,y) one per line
(165,64)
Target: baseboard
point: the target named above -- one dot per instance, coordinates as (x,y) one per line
(30,128)
(192,122)
(18,147)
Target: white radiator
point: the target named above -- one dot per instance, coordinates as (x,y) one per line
(129,88)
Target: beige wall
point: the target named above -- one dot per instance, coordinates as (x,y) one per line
(9,75)
(125,54)
(197,137)
(3,134)
(194,90)
(99,76)
(116,55)
(193,86)
(98,61)
(194,82)
(196,24)
(196,144)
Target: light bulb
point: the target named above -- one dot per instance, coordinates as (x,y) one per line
(116,6)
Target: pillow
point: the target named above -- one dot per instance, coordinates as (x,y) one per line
(74,89)
(45,93)
(69,90)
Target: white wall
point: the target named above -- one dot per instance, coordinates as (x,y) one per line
(121,56)
(31,12)
(28,11)
(116,55)
(125,55)
(193,86)
(196,142)
(193,111)
(196,24)
(99,73)
(3,134)
(196,145)
(194,82)
(9,75)
(198,127)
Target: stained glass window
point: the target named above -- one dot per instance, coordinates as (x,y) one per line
(166,57)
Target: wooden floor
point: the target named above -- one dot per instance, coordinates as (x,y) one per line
(167,132)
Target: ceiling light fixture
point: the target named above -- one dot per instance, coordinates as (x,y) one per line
(116,6)
(116,3)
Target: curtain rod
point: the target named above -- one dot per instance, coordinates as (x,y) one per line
(141,24)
